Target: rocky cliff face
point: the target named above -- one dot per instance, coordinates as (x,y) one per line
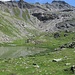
(55,15)
(17,22)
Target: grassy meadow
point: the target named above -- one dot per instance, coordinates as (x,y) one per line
(42,63)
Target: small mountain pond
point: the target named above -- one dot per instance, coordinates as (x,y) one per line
(13,52)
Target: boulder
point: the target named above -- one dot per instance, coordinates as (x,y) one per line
(67,64)
(73,69)
(68,45)
(72,45)
(57,60)
(56,35)
(65,35)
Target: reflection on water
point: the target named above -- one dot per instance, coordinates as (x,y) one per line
(8,52)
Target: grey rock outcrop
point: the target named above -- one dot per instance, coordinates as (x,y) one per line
(54,17)
(69,45)
(45,16)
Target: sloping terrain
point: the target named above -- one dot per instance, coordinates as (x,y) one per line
(53,14)
(37,39)
(39,64)
(32,19)
(15,23)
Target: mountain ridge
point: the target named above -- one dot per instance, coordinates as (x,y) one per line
(33,19)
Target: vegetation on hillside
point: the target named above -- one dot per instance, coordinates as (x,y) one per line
(26,30)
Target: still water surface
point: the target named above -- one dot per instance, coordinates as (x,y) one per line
(13,52)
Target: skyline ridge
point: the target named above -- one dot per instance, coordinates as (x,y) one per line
(71,2)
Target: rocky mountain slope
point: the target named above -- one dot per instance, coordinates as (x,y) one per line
(33,19)
(37,39)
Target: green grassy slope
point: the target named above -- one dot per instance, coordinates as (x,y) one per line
(14,23)
(44,64)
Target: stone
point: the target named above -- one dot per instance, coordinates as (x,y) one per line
(36,66)
(57,60)
(56,35)
(67,64)
(73,69)
(72,45)
(57,49)
(68,45)
(65,35)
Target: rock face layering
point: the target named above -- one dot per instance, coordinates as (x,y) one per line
(19,18)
